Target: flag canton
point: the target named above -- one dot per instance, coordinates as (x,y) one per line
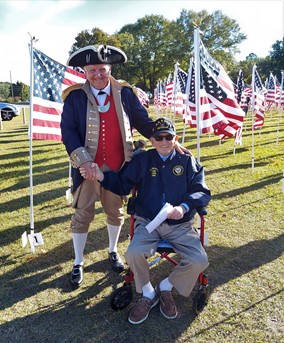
(271,83)
(182,79)
(48,77)
(211,86)
(257,81)
(240,86)
(191,95)
(208,61)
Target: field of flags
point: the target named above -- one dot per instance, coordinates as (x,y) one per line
(223,105)
(204,96)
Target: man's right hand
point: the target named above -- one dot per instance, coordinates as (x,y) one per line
(91,171)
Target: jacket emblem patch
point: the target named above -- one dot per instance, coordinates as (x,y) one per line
(178,170)
(154,171)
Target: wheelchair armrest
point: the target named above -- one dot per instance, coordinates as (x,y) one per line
(201,210)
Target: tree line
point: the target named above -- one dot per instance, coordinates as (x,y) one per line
(154,44)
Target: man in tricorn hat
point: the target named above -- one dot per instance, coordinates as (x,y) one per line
(96,125)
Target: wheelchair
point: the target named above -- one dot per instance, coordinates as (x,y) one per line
(122,296)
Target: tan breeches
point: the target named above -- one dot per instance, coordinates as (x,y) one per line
(84,199)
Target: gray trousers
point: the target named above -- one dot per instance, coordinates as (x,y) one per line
(186,243)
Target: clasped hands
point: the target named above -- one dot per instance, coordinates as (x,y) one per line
(91,171)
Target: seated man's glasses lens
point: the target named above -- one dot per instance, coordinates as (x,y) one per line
(159,138)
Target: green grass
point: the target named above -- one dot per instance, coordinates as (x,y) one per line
(245,225)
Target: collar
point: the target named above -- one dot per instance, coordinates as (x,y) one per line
(96,91)
(163,157)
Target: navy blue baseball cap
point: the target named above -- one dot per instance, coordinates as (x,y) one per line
(163,125)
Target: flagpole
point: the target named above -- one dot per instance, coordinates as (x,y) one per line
(68,192)
(279,107)
(252,117)
(197,86)
(175,89)
(189,76)
(31,139)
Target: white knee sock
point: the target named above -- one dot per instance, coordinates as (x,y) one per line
(79,242)
(165,285)
(113,236)
(148,291)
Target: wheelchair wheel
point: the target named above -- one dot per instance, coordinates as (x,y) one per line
(201,299)
(121,297)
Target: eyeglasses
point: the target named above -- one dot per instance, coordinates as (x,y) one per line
(100,72)
(159,138)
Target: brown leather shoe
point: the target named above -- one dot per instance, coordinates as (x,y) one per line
(141,309)
(167,305)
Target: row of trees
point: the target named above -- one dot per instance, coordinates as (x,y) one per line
(154,44)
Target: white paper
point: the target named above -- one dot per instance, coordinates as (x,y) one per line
(160,217)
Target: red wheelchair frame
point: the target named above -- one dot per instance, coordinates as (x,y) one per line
(122,296)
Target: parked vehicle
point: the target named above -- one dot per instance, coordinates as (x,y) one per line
(9,111)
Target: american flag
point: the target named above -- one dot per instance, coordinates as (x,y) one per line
(211,118)
(181,80)
(222,95)
(219,111)
(240,86)
(169,90)
(270,96)
(160,99)
(50,79)
(143,97)
(178,103)
(281,91)
(189,117)
(258,101)
(246,98)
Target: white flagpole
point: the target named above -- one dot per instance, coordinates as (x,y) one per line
(31,142)
(68,192)
(175,88)
(34,239)
(279,107)
(252,117)
(197,86)
(189,76)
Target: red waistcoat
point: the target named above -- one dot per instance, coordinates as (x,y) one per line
(110,146)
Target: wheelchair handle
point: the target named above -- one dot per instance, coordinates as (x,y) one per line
(201,210)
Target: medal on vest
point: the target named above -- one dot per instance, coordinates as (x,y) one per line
(104,108)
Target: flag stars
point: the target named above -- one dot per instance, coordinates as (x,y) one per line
(48,77)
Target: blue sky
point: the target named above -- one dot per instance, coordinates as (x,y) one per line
(56,24)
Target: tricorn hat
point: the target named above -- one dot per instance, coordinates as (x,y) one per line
(96,54)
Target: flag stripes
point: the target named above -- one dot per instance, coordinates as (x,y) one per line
(49,80)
